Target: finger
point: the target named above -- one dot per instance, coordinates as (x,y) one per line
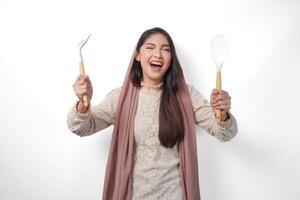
(223,92)
(222,102)
(86,78)
(82,86)
(218,97)
(78,78)
(83,81)
(215,91)
(213,96)
(80,90)
(86,88)
(223,107)
(213,100)
(217,101)
(80,93)
(79,84)
(223,97)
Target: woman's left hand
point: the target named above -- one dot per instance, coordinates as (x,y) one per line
(220,100)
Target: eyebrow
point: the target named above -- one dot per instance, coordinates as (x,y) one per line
(164,45)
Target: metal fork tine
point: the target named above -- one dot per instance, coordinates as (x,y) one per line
(83,42)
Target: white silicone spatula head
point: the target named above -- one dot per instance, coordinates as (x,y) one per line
(219,50)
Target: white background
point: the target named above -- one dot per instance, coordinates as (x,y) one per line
(41,159)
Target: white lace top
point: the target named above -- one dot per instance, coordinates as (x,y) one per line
(156,172)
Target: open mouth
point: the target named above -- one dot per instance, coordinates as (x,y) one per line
(156,64)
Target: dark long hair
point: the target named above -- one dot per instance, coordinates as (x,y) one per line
(171,127)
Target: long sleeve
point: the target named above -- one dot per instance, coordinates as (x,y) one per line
(205,117)
(97,117)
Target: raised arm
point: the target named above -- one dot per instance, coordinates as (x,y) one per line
(205,117)
(87,121)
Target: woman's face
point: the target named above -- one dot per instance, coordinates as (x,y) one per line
(155,57)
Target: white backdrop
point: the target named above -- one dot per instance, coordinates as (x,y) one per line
(41,159)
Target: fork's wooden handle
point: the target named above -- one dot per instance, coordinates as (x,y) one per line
(82,72)
(219,87)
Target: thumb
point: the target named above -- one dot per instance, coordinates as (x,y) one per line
(215,91)
(86,77)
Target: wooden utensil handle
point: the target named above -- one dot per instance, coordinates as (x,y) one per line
(219,87)
(82,72)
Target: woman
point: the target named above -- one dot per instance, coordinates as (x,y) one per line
(153,151)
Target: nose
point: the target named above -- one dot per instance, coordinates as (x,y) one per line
(157,53)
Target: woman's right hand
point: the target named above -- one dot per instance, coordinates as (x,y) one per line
(81,87)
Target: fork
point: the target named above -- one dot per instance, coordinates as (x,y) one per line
(81,67)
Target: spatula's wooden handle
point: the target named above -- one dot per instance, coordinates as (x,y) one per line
(219,87)
(82,72)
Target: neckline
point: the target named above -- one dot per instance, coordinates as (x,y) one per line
(149,86)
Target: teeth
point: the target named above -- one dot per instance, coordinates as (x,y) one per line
(156,63)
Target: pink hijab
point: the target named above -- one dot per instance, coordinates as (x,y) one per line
(118,176)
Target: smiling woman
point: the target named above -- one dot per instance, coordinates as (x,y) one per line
(153,151)
(155,57)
